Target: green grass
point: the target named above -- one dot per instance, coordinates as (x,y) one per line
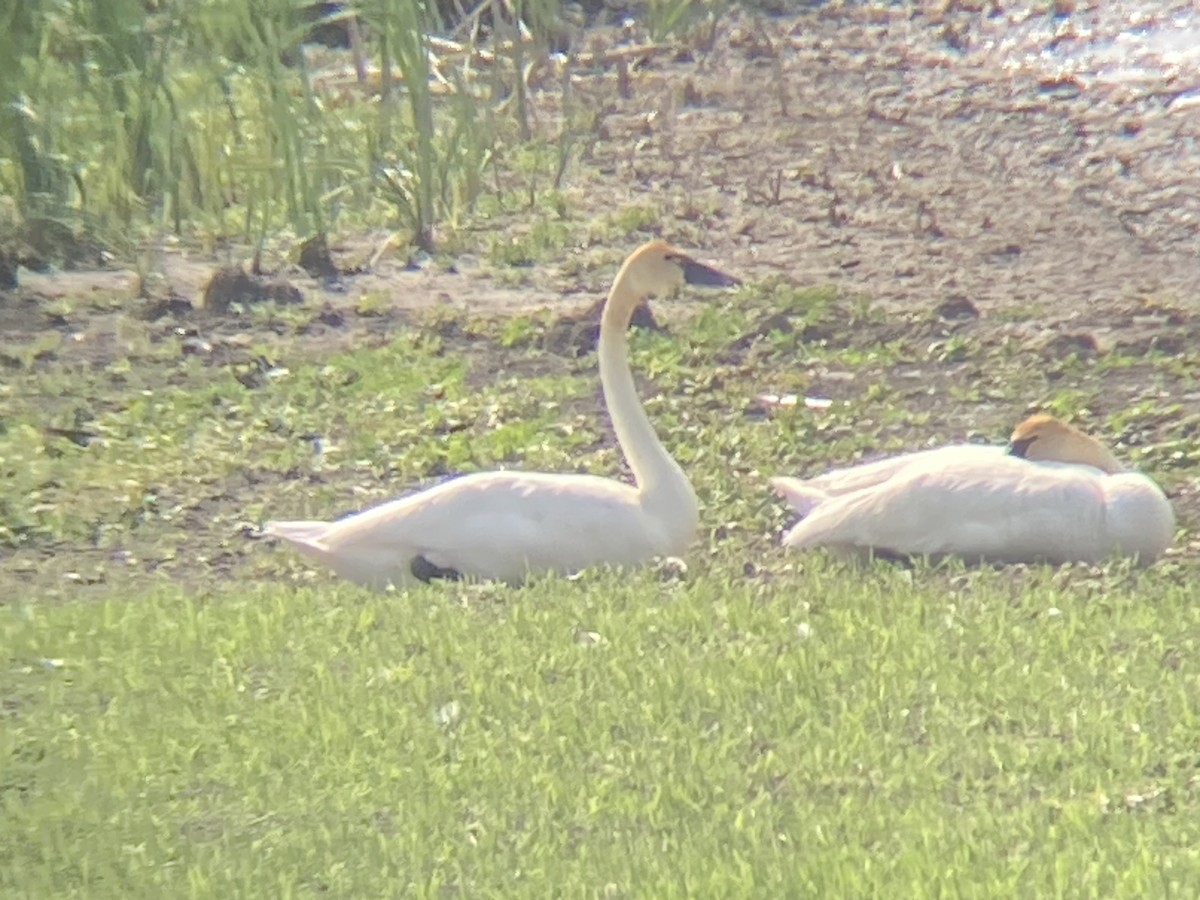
(189,713)
(185,712)
(822,734)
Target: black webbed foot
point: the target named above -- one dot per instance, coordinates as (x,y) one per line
(423,570)
(880,554)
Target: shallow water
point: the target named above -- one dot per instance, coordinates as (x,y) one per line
(1108,41)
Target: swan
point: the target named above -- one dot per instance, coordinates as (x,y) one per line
(1054,494)
(504,526)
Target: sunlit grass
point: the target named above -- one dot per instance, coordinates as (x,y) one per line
(177,724)
(147,439)
(890,734)
(165,431)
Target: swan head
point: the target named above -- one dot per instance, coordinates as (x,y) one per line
(1045,438)
(656,269)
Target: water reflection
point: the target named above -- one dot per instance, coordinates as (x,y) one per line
(1109,41)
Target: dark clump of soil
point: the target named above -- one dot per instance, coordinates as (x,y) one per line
(42,243)
(779,322)
(329,24)
(331,317)
(576,334)
(8,271)
(232,285)
(257,372)
(1078,343)
(172,306)
(315,258)
(48,242)
(958,307)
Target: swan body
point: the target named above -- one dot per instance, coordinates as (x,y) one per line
(492,525)
(1054,495)
(505,526)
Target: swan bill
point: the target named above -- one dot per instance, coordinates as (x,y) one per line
(697,273)
(1020,446)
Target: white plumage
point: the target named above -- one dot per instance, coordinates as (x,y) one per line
(507,525)
(1055,496)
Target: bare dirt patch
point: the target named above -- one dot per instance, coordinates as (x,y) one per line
(873,149)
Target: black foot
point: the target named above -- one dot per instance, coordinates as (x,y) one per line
(903,560)
(423,570)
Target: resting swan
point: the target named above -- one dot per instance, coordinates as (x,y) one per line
(1053,495)
(506,525)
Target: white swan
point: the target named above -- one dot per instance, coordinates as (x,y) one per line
(1053,495)
(506,525)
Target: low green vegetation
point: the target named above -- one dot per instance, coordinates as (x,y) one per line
(895,734)
(188,712)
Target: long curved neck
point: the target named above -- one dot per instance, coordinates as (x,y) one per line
(1081,449)
(1100,456)
(663,486)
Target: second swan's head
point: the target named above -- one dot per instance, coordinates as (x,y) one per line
(1043,437)
(656,269)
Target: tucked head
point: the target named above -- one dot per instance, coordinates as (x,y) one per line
(657,269)
(1043,437)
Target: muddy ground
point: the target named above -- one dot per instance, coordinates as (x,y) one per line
(887,152)
(862,147)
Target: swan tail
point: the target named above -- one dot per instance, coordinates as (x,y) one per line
(351,560)
(308,537)
(798,494)
(803,498)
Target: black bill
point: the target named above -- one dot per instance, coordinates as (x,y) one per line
(1020,447)
(706,276)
